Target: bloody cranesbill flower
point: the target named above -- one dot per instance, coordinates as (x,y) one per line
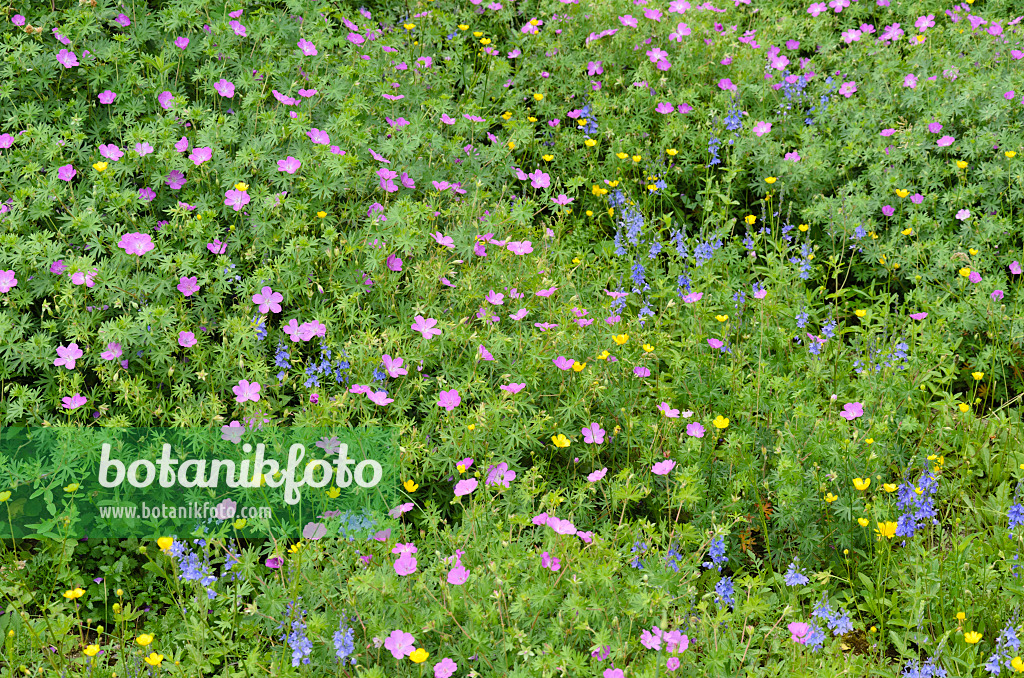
(136,243)
(8,281)
(107,97)
(66,173)
(246,391)
(425,326)
(449,400)
(175,180)
(290,165)
(67,59)
(188,286)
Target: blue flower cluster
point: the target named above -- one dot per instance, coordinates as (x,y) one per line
(795,575)
(878,359)
(716,552)
(1015,516)
(1007,647)
(917,503)
(301,646)
(838,621)
(325,368)
(916,669)
(637,547)
(344,641)
(724,592)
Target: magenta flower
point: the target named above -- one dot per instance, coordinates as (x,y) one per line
(394,263)
(143,149)
(268,300)
(380,398)
(597,475)
(74,402)
(662,468)
(997,295)
(274,562)
(888,210)
(1015,268)
(181,145)
(307,48)
(847,89)
(66,173)
(18,20)
(236,199)
(910,81)
(539,179)
(7,281)
(386,179)
(513,388)
(974,277)
(520,248)
(664,108)
(405,565)
(562,199)
(189,286)
(113,351)
(393,366)
(464,487)
(246,391)
(761,128)
(563,363)
(217,247)
(201,155)
(175,180)
(68,355)
(83,278)
(485,355)
(852,411)
(963,214)
(443,240)
(165,100)
(67,59)
(136,243)
(449,400)
(319,137)
(695,430)
(549,562)
(799,632)
(641,371)
(726,84)
(668,410)
(186,339)
(945,141)
(593,434)
(446,667)
(111,152)
(500,475)
(225,88)
(181,42)
(425,326)
(290,165)
(400,644)
(107,97)
(918,316)
(238,28)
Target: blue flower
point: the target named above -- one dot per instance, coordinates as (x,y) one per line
(716,552)
(794,576)
(724,591)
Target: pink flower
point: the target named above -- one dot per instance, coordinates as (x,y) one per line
(225,88)
(664,108)
(593,434)
(400,644)
(464,487)
(425,326)
(393,366)
(563,363)
(456,577)
(449,400)
(761,128)
(83,278)
(113,351)
(136,243)
(186,339)
(945,141)
(910,81)
(68,355)
(499,475)
(443,240)
(405,565)
(562,199)
(446,667)
(963,214)
(800,632)
(107,97)
(180,42)
(74,402)
(513,388)
(520,248)
(1015,268)
(236,199)
(268,300)
(386,177)
(693,297)
(246,391)
(67,59)
(238,28)
(189,286)
(628,20)
(307,48)
(852,411)
(66,172)
(597,475)
(7,281)
(668,411)
(695,430)
(485,355)
(613,673)
(847,89)
(662,468)
(539,179)
(274,562)
(290,165)
(974,277)
(111,152)
(726,84)
(641,371)
(918,316)
(380,398)
(201,155)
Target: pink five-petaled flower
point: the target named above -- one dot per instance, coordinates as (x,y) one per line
(7,281)
(668,411)
(520,248)
(761,128)
(136,243)
(449,400)
(236,199)
(852,411)
(695,430)
(225,88)
(400,644)
(246,391)
(379,398)
(539,179)
(918,316)
(847,89)
(113,351)
(500,475)
(319,137)
(405,565)
(111,152)
(290,165)
(175,180)
(268,300)
(68,355)
(307,48)
(563,363)
(74,402)
(945,141)
(800,632)
(513,388)
(693,297)
(393,366)
(189,286)
(662,468)
(485,355)
(394,263)
(597,475)
(274,562)
(386,179)
(67,59)
(443,240)
(201,155)
(1015,268)
(456,577)
(107,97)
(652,641)
(66,172)
(186,339)
(464,487)
(641,371)
(446,667)
(549,562)
(562,199)
(425,326)
(593,434)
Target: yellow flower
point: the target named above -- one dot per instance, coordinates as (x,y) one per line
(861,483)
(648,348)
(144,640)
(239,524)
(294,548)
(636,158)
(461,468)
(99,166)
(408,27)
(671,151)
(964,407)
(1016,663)
(334,492)
(590,213)
(960,616)
(538,96)
(613,184)
(73,487)
(803,228)
(860,313)
(547,158)
(890,487)
(92,650)
(154,659)
(1010,154)
(165,543)
(907,231)
(961,164)
(965,271)
(578,367)
(622,156)
(863,522)
(321,214)
(241,186)
(511,145)
(721,318)
(410,486)
(590,143)
(487,41)
(886,529)
(920,39)
(830,497)
(770,180)
(977,375)
(463,27)
(74,594)
(478,34)
(869,440)
(604,355)
(534,22)
(620,339)
(575,260)
(4,496)
(750,219)
(721,422)
(419,655)
(560,440)
(972,251)
(532,119)
(471,427)
(973,637)
(903,193)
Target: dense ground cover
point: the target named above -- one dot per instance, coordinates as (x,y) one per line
(699,326)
